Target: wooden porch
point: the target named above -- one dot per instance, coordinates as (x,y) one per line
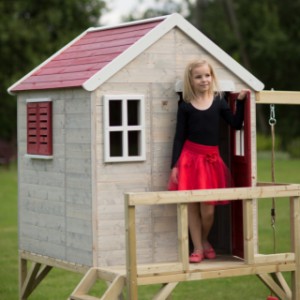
(268,268)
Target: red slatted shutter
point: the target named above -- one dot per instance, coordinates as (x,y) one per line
(241,172)
(39,128)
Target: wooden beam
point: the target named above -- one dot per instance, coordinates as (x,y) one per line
(274,258)
(28,284)
(183,238)
(86,282)
(295,244)
(22,275)
(241,270)
(165,291)
(277,97)
(248,231)
(131,261)
(283,284)
(53,262)
(115,289)
(273,286)
(175,197)
(40,276)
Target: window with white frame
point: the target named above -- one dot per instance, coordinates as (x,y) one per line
(124,128)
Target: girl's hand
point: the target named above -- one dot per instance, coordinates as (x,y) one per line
(242,94)
(174,175)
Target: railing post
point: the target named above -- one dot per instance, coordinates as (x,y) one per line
(183,247)
(131,262)
(248,231)
(295,244)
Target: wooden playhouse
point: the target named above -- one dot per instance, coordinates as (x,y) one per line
(95,130)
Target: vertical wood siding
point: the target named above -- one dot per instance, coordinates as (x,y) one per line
(55,195)
(153,73)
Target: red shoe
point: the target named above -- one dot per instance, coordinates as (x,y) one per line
(209,253)
(196,257)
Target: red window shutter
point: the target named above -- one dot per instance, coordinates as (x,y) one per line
(39,128)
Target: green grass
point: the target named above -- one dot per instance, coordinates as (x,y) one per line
(59,283)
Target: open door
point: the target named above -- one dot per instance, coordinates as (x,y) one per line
(235,148)
(241,172)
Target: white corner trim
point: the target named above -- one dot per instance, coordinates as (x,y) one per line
(171,21)
(9,90)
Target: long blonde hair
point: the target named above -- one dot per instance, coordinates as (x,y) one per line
(188,90)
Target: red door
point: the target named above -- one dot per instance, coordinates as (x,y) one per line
(241,172)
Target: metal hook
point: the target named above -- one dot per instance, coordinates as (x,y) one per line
(272,120)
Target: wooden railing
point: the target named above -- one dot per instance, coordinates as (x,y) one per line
(280,262)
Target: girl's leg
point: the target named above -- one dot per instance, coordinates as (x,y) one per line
(207,219)
(195,226)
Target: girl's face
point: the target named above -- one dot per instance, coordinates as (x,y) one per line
(201,78)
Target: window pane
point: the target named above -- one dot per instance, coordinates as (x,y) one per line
(133,143)
(116,143)
(115,113)
(133,112)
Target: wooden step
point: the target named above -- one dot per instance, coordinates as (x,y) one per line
(83,297)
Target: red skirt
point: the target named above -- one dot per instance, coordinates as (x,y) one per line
(201,167)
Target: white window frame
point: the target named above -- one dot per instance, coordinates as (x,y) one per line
(124,128)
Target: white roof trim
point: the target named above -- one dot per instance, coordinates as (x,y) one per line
(127,23)
(171,21)
(44,63)
(128,55)
(219,54)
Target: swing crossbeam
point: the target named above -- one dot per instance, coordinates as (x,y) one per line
(277,97)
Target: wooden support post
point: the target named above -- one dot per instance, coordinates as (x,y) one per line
(22,275)
(115,289)
(131,262)
(248,231)
(165,292)
(270,282)
(86,282)
(281,280)
(183,238)
(295,244)
(33,278)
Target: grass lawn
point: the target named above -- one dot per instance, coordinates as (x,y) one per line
(59,284)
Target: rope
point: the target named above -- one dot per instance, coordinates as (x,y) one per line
(272,122)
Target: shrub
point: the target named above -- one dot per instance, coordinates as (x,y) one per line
(293,148)
(264,143)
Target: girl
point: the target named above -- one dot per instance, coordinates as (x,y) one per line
(196,163)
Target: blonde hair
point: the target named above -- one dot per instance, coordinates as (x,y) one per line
(188,90)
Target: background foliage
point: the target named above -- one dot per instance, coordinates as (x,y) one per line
(262,35)
(31,31)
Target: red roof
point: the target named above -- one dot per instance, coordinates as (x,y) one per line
(79,61)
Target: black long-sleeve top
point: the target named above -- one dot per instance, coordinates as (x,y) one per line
(202,126)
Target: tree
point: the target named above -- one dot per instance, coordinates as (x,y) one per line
(261,35)
(31,31)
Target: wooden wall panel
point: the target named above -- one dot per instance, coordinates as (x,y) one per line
(153,73)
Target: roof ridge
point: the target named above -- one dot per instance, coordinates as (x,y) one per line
(130,23)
